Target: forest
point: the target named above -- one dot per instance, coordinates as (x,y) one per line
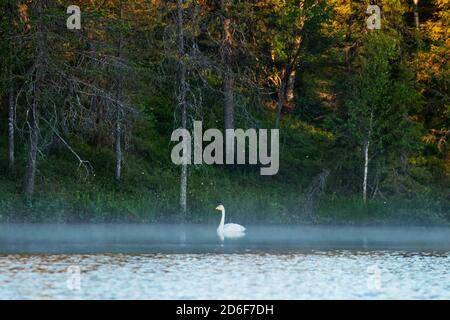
(87,111)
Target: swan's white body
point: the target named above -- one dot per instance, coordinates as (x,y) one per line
(229,230)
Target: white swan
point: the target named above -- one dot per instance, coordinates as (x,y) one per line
(229,230)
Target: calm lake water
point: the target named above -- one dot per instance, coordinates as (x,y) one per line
(188,262)
(315,275)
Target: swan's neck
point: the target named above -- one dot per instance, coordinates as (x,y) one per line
(222,221)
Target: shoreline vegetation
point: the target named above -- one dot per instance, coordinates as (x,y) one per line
(86,114)
(67,195)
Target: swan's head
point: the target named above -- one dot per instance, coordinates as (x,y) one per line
(220,207)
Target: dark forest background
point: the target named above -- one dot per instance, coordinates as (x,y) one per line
(86,115)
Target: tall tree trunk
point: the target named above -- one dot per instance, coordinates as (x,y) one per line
(366,169)
(366,157)
(117,144)
(228,83)
(228,107)
(11,91)
(286,90)
(119,111)
(11,122)
(227,77)
(290,95)
(182,101)
(33,140)
(281,96)
(33,137)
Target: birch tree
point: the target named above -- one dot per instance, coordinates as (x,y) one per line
(119,111)
(378,108)
(181,97)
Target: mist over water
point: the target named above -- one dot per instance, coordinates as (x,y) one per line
(109,261)
(159,238)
